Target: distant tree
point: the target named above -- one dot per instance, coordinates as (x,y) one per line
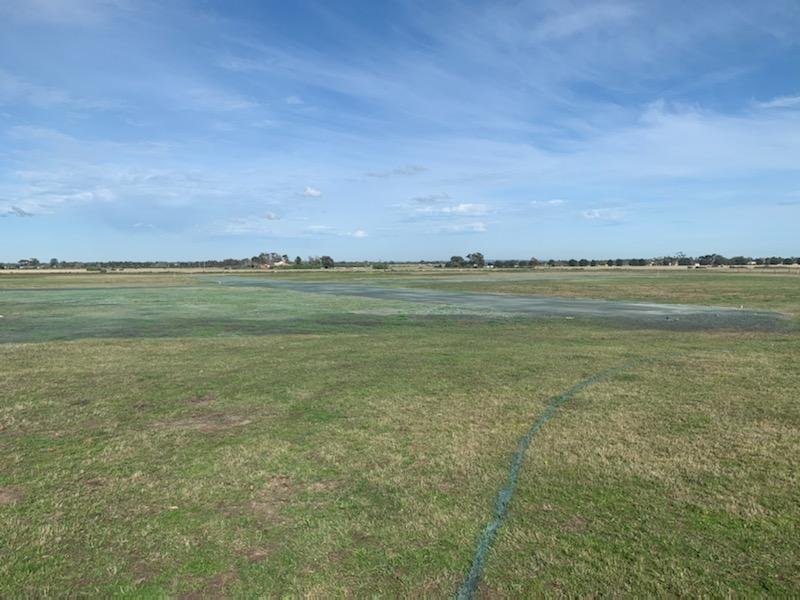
(534,262)
(456,262)
(551,263)
(476,260)
(381,266)
(53,262)
(583,262)
(326,262)
(593,263)
(714,260)
(298,261)
(788,261)
(619,263)
(610,262)
(572,262)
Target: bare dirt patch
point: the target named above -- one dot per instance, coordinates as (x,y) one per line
(202,400)
(275,495)
(142,572)
(576,524)
(441,586)
(204,423)
(9,495)
(278,492)
(255,555)
(216,587)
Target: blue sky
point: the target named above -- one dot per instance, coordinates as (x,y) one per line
(139,129)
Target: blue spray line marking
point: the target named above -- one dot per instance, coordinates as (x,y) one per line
(470,585)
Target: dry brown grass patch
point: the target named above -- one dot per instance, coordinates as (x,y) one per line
(9,495)
(204,423)
(216,587)
(204,400)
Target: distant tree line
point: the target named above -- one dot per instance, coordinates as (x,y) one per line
(476,260)
(473,260)
(264,260)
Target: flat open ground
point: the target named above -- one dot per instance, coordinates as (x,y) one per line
(347,434)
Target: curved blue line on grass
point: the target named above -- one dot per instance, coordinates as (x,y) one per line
(470,585)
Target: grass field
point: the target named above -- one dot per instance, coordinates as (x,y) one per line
(168,436)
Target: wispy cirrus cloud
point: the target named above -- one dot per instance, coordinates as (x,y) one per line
(13,211)
(212,99)
(781,102)
(548,203)
(604,214)
(570,22)
(16,90)
(65,12)
(474,227)
(399,171)
(462,208)
(330,230)
(429,199)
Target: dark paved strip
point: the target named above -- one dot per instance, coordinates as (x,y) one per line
(672,316)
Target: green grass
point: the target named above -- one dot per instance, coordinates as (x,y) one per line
(168,440)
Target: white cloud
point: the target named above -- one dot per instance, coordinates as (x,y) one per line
(311,192)
(328,230)
(208,98)
(244,226)
(294,100)
(548,203)
(604,214)
(14,89)
(264,124)
(64,12)
(15,211)
(464,208)
(572,22)
(477,227)
(781,102)
(431,198)
(406,170)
